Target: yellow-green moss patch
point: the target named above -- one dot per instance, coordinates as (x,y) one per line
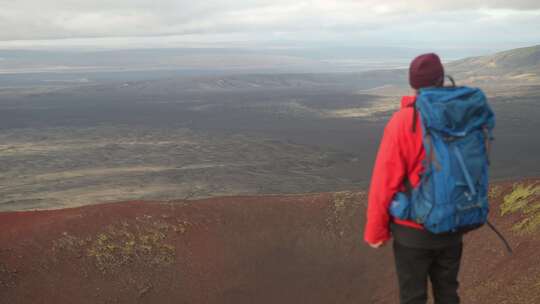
(144,241)
(341,203)
(494,192)
(525,199)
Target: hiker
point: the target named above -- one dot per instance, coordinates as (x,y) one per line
(398,181)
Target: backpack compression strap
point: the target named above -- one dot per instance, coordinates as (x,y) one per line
(488,140)
(431,158)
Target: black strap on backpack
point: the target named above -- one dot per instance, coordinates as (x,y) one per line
(451,80)
(505,242)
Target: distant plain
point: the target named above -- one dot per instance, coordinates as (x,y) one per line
(68,140)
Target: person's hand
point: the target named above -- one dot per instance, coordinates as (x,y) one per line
(377,245)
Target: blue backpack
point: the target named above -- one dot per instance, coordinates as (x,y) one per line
(453,192)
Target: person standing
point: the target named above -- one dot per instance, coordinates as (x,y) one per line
(419,254)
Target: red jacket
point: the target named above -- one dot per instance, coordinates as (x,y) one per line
(400,155)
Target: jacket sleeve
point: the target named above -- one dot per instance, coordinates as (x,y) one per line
(386,180)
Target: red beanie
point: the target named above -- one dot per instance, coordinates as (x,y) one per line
(426,71)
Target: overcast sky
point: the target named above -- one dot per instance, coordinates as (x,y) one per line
(278,23)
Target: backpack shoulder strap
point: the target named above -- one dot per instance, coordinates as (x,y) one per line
(415,117)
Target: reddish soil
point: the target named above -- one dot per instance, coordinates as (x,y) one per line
(265,249)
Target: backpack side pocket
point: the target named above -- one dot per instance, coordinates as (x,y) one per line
(400,207)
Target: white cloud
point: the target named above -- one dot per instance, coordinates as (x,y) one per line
(255,20)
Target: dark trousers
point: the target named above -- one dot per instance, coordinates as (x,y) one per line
(414,266)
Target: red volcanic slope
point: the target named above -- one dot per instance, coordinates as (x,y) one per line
(264,249)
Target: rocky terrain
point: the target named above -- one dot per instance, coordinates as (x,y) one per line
(250,249)
(237,188)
